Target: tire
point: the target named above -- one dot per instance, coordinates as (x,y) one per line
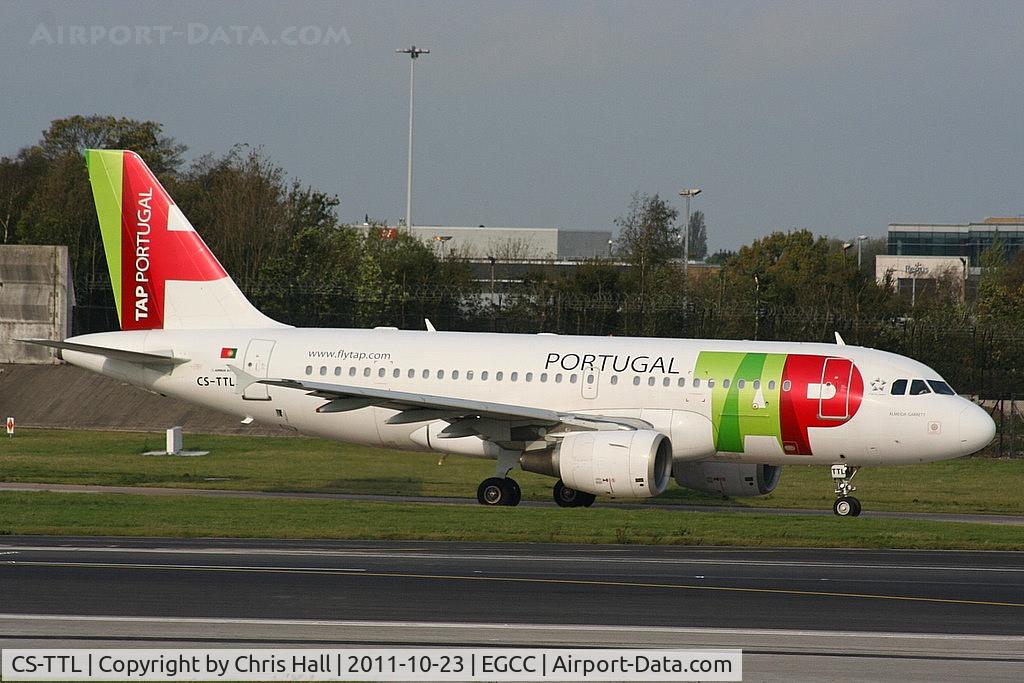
(565,496)
(844,507)
(856,507)
(586,499)
(515,494)
(493,492)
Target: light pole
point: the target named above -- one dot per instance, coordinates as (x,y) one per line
(860,242)
(414,53)
(687,192)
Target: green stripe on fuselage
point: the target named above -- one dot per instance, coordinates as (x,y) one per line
(736,412)
(105,169)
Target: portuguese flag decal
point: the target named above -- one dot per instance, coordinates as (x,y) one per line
(228,352)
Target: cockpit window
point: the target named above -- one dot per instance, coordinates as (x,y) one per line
(940,387)
(918,387)
(899,387)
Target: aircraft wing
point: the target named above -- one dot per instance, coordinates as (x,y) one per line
(417,407)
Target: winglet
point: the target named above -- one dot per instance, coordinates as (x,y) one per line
(839,340)
(430,325)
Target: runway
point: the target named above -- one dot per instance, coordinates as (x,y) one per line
(1013,520)
(871,611)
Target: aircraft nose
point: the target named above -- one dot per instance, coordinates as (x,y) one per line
(976,429)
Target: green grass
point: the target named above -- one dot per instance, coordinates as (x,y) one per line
(968,485)
(107,514)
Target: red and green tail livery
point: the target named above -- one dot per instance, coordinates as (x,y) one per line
(147,240)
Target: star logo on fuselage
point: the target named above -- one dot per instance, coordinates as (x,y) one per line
(878,385)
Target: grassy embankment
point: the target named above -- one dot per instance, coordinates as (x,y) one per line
(274,464)
(970,485)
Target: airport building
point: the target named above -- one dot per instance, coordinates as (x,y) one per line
(36,298)
(919,255)
(962,240)
(518,244)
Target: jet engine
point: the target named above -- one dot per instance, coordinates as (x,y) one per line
(623,464)
(728,478)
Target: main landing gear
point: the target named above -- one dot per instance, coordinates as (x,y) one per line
(499,491)
(571,498)
(845,505)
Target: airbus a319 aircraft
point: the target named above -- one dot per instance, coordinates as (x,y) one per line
(617,417)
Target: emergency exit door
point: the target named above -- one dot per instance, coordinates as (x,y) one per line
(257,364)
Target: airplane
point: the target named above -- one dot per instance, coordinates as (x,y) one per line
(603,416)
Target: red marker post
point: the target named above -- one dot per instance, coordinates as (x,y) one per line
(10,426)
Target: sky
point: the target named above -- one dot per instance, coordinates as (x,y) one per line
(840,117)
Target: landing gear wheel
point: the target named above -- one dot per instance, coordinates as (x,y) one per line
(515,493)
(846,506)
(492,492)
(571,498)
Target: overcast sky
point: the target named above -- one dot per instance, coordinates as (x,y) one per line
(840,117)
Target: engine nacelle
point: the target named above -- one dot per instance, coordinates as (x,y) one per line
(728,478)
(624,464)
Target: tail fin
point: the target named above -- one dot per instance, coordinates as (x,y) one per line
(163,274)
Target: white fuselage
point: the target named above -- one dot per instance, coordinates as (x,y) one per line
(647,379)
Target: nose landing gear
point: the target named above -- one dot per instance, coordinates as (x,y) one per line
(845,505)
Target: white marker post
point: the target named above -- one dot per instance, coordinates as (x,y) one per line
(10,426)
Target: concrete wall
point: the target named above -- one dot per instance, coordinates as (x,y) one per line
(36,297)
(66,397)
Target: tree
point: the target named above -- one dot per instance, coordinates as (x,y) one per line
(648,236)
(720,257)
(70,136)
(698,237)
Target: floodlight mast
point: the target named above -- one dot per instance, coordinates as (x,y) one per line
(687,192)
(414,53)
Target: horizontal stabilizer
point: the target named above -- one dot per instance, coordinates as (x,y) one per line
(114,354)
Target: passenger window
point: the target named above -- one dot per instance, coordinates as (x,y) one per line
(498,376)
(469,375)
(455,374)
(483,376)
(558,378)
(741,383)
(667,381)
(514,376)
(918,387)
(397,373)
(711,384)
(636,380)
(412,373)
(440,374)
(725,384)
(786,385)
(380,373)
(941,387)
(682,382)
(529,377)
(309,369)
(543,377)
(650,381)
(696,382)
(756,384)
(323,370)
(899,387)
(771,385)
(337,371)
(366,372)
(352,371)
(572,379)
(615,379)
(426,374)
